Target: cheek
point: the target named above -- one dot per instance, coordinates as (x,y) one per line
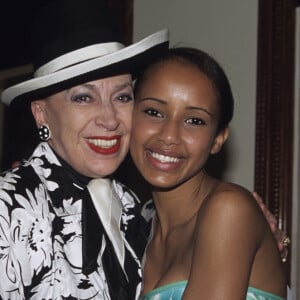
(138,135)
(135,134)
(127,121)
(136,125)
(125,117)
(142,130)
(66,125)
(56,126)
(200,144)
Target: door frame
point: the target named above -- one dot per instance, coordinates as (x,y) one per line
(275,108)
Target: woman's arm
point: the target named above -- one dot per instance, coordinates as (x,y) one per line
(281,237)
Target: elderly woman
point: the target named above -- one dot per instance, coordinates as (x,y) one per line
(65,231)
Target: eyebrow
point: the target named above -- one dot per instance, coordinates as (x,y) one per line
(189,107)
(123,86)
(153,99)
(202,109)
(115,88)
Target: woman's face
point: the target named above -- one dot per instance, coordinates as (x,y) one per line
(90,124)
(175,122)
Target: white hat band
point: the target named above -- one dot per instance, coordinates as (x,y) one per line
(77,56)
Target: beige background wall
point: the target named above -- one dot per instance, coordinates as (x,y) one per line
(228,31)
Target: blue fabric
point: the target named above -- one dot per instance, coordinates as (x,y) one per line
(174,291)
(256,294)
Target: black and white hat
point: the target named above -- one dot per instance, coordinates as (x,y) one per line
(76,41)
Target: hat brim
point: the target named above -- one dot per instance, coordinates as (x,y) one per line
(127,60)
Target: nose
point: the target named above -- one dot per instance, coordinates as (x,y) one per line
(107,116)
(170,133)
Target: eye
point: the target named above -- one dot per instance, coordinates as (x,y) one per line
(81,98)
(195,121)
(152,112)
(125,98)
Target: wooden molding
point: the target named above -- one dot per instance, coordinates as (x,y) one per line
(275,107)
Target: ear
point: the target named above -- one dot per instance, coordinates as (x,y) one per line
(220,139)
(38,111)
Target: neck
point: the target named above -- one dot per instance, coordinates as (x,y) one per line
(76,176)
(178,206)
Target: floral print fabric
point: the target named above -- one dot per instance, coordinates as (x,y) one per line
(41,235)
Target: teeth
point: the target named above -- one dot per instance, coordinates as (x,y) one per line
(103,143)
(164,158)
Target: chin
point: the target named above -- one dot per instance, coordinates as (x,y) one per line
(104,169)
(161,184)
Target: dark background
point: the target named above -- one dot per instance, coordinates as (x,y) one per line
(15,17)
(20,134)
(14,22)
(18,127)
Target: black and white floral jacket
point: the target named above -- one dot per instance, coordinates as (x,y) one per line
(52,242)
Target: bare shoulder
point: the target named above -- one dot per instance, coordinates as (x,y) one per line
(229,194)
(232,202)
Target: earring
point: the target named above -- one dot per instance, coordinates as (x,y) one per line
(44,132)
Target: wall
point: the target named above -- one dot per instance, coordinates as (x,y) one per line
(228,31)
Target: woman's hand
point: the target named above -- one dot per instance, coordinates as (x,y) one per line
(282,239)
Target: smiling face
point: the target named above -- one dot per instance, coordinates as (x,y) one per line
(90,124)
(175,124)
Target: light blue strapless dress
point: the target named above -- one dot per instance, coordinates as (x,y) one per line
(174,291)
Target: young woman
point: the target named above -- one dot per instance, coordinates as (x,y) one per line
(209,238)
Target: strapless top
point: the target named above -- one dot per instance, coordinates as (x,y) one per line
(174,291)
